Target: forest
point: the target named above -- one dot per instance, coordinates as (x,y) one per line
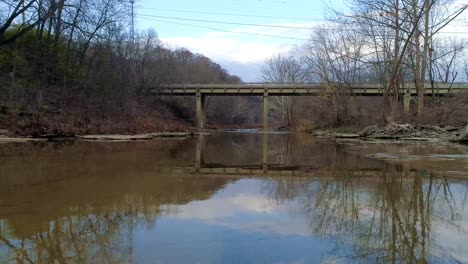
(74,67)
(71,66)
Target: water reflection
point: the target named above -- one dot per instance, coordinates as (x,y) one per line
(287,154)
(396,218)
(231,198)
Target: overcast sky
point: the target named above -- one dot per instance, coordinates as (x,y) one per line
(240,54)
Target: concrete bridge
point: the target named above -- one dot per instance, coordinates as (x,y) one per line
(288,89)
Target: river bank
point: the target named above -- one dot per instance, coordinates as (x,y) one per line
(404,132)
(102,138)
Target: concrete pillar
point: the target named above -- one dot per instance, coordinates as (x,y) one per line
(200,110)
(265,152)
(406,102)
(265,110)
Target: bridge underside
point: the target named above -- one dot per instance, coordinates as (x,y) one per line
(200,106)
(301,89)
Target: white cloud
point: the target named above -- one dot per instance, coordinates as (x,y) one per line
(219,207)
(258,204)
(231,49)
(242,54)
(240,57)
(250,71)
(218,211)
(243,48)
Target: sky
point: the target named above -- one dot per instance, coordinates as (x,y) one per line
(240,54)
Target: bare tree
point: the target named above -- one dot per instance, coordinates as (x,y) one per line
(400,34)
(335,56)
(284,69)
(465,65)
(444,60)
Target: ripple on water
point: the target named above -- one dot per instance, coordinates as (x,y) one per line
(393,156)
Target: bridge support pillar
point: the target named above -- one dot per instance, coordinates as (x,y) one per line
(265,110)
(406,102)
(200,110)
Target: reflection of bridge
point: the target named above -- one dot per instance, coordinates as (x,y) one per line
(201,167)
(200,155)
(288,89)
(272,171)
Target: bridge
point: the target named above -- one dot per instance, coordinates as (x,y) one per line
(289,89)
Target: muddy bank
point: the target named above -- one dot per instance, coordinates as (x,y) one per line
(4,139)
(135,137)
(104,138)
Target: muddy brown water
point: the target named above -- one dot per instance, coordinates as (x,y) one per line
(234,198)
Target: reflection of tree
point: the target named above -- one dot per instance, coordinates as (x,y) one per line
(387,218)
(73,239)
(100,230)
(84,213)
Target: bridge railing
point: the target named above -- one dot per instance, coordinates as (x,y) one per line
(298,88)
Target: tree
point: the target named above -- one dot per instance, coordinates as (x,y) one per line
(334,56)
(32,12)
(400,34)
(284,69)
(444,60)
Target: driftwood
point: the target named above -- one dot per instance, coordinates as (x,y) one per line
(400,131)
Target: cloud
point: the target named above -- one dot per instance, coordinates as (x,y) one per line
(219,207)
(241,54)
(243,48)
(249,71)
(241,58)
(269,216)
(258,204)
(221,48)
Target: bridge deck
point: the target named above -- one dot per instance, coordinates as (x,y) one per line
(289,89)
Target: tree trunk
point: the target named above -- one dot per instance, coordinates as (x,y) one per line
(11,104)
(422,78)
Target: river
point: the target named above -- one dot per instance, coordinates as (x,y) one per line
(234,198)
